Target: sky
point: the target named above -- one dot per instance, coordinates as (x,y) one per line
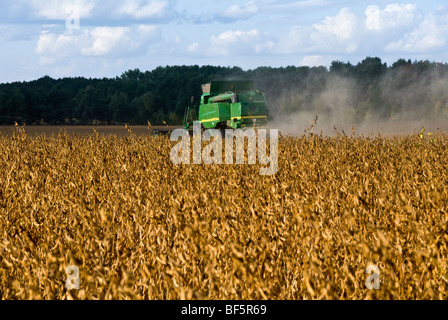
(98,38)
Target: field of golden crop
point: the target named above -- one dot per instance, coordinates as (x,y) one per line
(139,227)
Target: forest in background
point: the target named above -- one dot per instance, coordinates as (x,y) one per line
(367,90)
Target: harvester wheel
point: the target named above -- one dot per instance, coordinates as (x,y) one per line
(222,130)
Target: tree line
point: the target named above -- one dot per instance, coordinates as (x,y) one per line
(371,87)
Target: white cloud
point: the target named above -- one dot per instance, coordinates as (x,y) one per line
(342,25)
(62,9)
(99,41)
(105,39)
(194,47)
(337,32)
(268,46)
(347,32)
(427,36)
(231,14)
(373,18)
(278,5)
(140,9)
(238,12)
(234,41)
(295,41)
(393,16)
(66,44)
(340,33)
(228,43)
(313,61)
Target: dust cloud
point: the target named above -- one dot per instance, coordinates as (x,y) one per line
(395,104)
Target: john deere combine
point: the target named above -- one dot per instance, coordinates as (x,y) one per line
(228,104)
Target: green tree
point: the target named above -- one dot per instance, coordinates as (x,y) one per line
(119,106)
(340,68)
(370,69)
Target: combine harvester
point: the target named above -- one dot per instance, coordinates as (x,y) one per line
(228,105)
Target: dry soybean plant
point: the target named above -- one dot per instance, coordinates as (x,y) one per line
(139,227)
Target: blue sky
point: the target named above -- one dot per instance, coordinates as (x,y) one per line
(98,38)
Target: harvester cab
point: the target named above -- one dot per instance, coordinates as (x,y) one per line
(228,104)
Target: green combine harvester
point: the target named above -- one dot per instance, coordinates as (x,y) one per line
(228,105)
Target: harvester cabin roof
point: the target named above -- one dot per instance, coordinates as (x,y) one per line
(217,87)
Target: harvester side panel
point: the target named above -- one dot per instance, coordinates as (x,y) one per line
(214,113)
